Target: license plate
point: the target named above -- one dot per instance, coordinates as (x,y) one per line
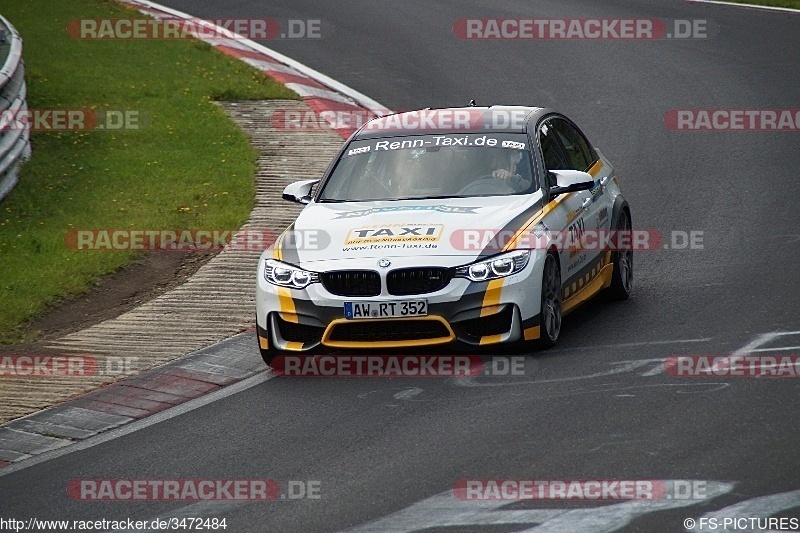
(359,310)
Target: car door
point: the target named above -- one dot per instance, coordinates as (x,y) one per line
(569,216)
(581,156)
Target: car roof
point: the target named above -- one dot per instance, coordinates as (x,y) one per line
(450,120)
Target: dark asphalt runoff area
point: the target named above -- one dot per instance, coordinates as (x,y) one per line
(383,454)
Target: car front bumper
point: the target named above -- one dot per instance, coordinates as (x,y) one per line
(483,313)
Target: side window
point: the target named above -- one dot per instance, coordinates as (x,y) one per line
(576,147)
(554,158)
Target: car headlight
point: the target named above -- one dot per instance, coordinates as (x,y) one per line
(499,266)
(285,275)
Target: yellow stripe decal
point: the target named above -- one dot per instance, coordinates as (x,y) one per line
(595,169)
(490,339)
(514,242)
(288,312)
(602,280)
(491,298)
(294,346)
(276,248)
(531,333)
(263,342)
(492,310)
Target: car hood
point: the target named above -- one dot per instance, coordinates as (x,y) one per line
(349,231)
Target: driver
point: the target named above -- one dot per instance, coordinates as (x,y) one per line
(507,164)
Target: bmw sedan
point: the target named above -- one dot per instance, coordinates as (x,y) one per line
(474,226)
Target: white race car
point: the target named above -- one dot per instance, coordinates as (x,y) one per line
(475,225)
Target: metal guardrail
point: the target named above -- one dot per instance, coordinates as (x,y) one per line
(15,145)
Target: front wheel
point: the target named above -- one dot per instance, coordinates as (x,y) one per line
(552,294)
(622,276)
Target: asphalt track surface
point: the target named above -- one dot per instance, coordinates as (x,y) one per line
(596,407)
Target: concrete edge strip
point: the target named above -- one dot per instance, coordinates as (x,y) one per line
(137,425)
(751,6)
(130,400)
(190,382)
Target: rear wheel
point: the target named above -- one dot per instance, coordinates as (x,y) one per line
(552,294)
(622,276)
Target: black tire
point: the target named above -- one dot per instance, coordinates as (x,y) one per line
(622,276)
(550,315)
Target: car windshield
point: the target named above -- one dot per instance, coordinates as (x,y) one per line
(431,166)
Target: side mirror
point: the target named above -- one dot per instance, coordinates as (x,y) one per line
(570,181)
(299,191)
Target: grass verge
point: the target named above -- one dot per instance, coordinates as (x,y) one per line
(186,166)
